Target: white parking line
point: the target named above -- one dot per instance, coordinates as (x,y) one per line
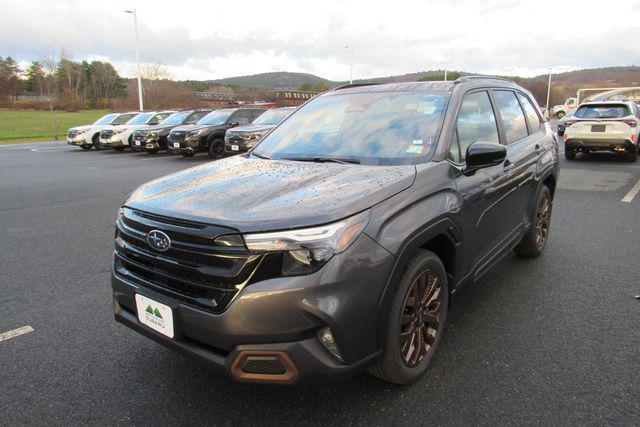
(632,193)
(15,333)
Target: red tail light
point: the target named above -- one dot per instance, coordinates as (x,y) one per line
(633,137)
(565,136)
(631,123)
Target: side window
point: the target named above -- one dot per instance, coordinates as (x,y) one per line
(533,121)
(197,116)
(515,126)
(476,122)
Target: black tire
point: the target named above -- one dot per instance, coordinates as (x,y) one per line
(96,142)
(532,244)
(216,148)
(560,114)
(632,155)
(394,367)
(569,153)
(188,154)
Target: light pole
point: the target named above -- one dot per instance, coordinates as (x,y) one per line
(135,25)
(549,94)
(351,73)
(445,74)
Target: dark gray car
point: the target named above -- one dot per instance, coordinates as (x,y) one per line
(335,245)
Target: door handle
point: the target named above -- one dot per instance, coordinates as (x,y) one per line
(507,165)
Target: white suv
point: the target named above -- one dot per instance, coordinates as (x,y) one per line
(119,137)
(87,136)
(610,125)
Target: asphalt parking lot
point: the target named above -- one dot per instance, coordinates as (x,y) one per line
(553,340)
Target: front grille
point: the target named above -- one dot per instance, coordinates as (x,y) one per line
(72,134)
(106,134)
(178,136)
(194,269)
(139,136)
(237,137)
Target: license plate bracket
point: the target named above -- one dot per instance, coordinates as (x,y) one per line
(598,128)
(155,315)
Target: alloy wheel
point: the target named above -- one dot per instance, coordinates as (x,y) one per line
(542,221)
(421,318)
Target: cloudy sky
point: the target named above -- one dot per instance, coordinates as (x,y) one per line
(215,39)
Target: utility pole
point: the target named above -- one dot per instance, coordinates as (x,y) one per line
(351,72)
(135,25)
(549,94)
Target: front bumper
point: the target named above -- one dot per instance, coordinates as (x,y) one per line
(144,145)
(77,140)
(235,147)
(187,146)
(281,316)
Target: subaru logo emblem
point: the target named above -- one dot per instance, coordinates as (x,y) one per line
(158,240)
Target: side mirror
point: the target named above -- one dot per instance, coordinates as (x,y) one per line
(234,124)
(483,154)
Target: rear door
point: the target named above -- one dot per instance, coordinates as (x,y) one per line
(522,135)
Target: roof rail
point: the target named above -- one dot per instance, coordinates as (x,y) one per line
(475,77)
(350,85)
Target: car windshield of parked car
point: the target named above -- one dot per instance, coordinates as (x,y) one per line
(105,120)
(176,118)
(123,118)
(217,117)
(374,128)
(602,111)
(140,119)
(272,117)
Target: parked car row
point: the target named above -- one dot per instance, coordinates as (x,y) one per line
(184,132)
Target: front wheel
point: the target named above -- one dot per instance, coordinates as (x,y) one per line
(216,148)
(569,153)
(560,114)
(632,155)
(534,241)
(96,142)
(415,320)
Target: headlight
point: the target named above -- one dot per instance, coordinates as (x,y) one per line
(116,132)
(196,132)
(256,135)
(310,247)
(152,134)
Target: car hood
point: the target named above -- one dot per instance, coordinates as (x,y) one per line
(83,128)
(156,127)
(128,127)
(251,128)
(251,194)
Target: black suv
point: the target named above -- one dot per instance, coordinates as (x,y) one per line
(334,246)
(154,138)
(244,138)
(208,133)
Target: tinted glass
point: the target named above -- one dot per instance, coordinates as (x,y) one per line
(243,117)
(197,116)
(159,117)
(217,117)
(176,118)
(515,126)
(140,119)
(123,118)
(476,122)
(602,111)
(272,117)
(376,128)
(533,121)
(105,120)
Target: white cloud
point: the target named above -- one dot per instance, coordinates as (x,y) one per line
(211,40)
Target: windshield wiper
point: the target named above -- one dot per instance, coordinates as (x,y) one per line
(262,157)
(341,160)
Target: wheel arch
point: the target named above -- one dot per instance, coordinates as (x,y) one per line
(443,239)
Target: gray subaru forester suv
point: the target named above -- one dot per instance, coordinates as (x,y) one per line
(335,245)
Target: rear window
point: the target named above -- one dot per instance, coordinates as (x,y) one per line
(602,111)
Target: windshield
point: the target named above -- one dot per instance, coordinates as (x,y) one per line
(602,111)
(105,120)
(176,118)
(123,118)
(217,117)
(272,117)
(140,119)
(375,128)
